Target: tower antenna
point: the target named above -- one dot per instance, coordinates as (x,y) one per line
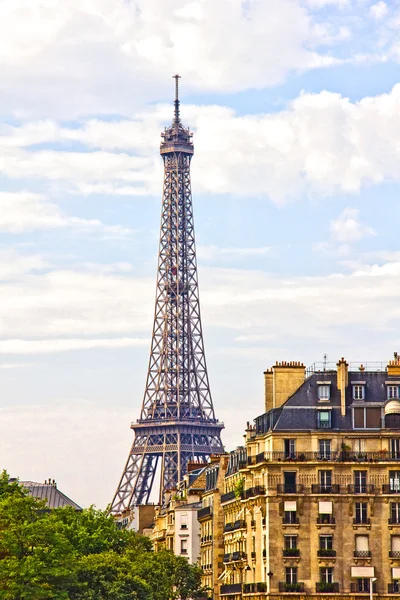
(176,102)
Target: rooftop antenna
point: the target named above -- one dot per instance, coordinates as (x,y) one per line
(176,103)
(325,359)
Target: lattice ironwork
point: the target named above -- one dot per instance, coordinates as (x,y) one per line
(177,422)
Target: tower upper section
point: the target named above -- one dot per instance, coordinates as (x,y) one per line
(176,137)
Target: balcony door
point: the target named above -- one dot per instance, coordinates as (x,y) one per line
(289,482)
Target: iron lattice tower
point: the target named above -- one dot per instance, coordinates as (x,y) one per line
(177,421)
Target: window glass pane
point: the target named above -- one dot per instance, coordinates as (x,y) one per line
(324,392)
(373,417)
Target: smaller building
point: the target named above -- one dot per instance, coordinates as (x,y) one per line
(176,526)
(49,492)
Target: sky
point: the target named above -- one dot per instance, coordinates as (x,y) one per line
(295,109)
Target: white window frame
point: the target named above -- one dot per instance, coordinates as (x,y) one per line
(358,392)
(324,392)
(392,392)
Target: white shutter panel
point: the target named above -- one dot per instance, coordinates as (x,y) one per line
(325,508)
(290,505)
(396,572)
(396,543)
(362,543)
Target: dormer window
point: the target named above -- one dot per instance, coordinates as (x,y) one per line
(358,392)
(324,419)
(392,391)
(324,392)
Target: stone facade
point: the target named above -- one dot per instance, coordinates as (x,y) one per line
(311,504)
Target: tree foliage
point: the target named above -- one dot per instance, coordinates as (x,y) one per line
(70,555)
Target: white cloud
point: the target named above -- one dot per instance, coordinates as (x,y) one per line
(59,345)
(320,145)
(25,211)
(348,228)
(217,253)
(379,10)
(97,57)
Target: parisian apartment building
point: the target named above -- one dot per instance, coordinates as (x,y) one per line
(310,505)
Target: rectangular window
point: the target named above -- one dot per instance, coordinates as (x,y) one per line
(324,392)
(326,574)
(359,446)
(324,419)
(361,513)
(395,448)
(184,522)
(325,542)
(373,418)
(395,512)
(324,449)
(289,482)
(184,546)
(362,546)
(290,448)
(325,482)
(358,392)
(392,391)
(394,481)
(395,544)
(291,575)
(290,541)
(360,482)
(359,418)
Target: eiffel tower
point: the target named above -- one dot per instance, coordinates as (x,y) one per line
(177,422)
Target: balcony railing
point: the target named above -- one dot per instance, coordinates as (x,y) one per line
(291,587)
(238,556)
(390,489)
(240,524)
(326,588)
(361,489)
(394,553)
(289,488)
(394,521)
(229,527)
(227,558)
(394,588)
(362,553)
(204,512)
(357,521)
(316,488)
(252,588)
(337,456)
(291,552)
(231,588)
(326,552)
(362,586)
(257,490)
(251,460)
(325,520)
(228,496)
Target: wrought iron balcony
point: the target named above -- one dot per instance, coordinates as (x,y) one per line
(316,488)
(231,588)
(289,488)
(291,552)
(227,558)
(362,553)
(240,524)
(253,554)
(325,520)
(390,489)
(252,588)
(326,552)
(260,457)
(257,490)
(238,556)
(253,523)
(228,496)
(229,527)
(251,460)
(361,586)
(394,521)
(204,512)
(358,521)
(291,587)
(394,553)
(361,489)
(394,587)
(326,588)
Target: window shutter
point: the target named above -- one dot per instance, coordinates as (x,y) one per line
(396,572)
(362,543)
(290,505)
(325,508)
(362,572)
(396,543)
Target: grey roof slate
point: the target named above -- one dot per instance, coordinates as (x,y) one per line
(48,492)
